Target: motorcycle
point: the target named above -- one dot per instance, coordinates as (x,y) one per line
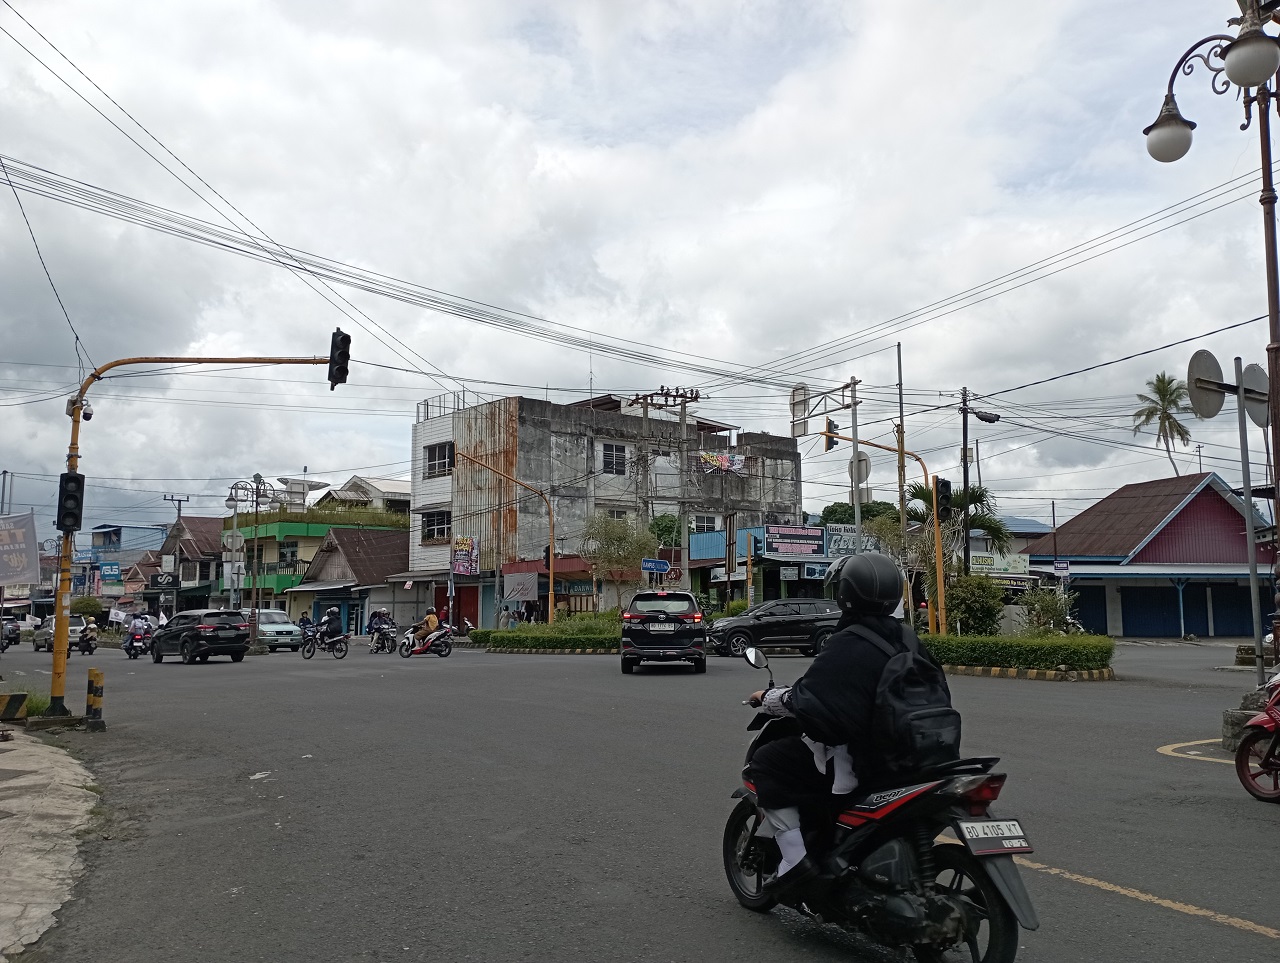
(87,642)
(466,628)
(136,644)
(312,640)
(1258,756)
(885,874)
(441,644)
(383,639)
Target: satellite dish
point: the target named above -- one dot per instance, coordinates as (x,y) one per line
(1255,379)
(1205,402)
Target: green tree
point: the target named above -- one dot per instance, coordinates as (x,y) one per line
(975,605)
(87,606)
(615,547)
(1166,398)
(841,513)
(666,529)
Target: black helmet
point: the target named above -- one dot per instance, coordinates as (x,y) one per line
(867,584)
(332,611)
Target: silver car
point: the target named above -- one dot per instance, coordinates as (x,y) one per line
(277,632)
(43,637)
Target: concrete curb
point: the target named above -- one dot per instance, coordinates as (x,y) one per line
(32,723)
(49,805)
(1040,675)
(552,651)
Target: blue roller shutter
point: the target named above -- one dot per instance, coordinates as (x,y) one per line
(1150,611)
(1091,608)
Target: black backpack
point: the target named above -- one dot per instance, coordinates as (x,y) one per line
(915,726)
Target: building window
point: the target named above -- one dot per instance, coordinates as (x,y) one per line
(288,552)
(617,514)
(704,523)
(437,460)
(436,526)
(615,459)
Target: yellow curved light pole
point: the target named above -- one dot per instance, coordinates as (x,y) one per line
(62,600)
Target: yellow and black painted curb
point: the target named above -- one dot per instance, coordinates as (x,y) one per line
(501,651)
(1041,675)
(13,705)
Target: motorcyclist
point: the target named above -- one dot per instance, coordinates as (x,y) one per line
(833,703)
(139,625)
(428,628)
(331,624)
(304,621)
(89,634)
(379,620)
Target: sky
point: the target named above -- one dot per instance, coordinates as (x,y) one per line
(732,196)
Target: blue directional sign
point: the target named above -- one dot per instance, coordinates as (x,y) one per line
(661,566)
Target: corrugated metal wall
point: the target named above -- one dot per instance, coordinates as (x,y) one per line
(1207,530)
(485,503)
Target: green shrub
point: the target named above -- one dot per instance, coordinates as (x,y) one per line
(530,640)
(1077,652)
(1046,610)
(975,604)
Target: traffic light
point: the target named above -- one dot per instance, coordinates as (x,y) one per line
(70,502)
(832,428)
(339,358)
(546,558)
(944,499)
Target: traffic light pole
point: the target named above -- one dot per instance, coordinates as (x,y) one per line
(939,571)
(551,519)
(62,602)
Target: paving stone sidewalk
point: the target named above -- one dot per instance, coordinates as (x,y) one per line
(44,806)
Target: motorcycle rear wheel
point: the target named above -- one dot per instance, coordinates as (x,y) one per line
(1259,782)
(308,650)
(961,874)
(340,649)
(740,842)
(444,648)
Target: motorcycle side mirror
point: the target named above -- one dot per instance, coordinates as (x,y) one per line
(757,658)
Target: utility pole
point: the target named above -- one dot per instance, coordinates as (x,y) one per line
(4,493)
(909,610)
(663,398)
(989,418)
(685,576)
(857,485)
(1200,457)
(751,585)
(1053,517)
(178,501)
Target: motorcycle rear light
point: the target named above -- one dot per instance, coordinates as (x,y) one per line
(979,792)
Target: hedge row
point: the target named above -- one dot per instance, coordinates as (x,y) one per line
(505,639)
(1078,652)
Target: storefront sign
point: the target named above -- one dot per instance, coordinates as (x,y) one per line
(111,571)
(466,555)
(793,540)
(789,573)
(813,571)
(989,564)
(843,540)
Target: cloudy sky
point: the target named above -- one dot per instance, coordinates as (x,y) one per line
(654,193)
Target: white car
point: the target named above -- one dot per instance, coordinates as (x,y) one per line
(277,631)
(43,638)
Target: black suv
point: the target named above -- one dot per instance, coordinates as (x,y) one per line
(803,624)
(663,627)
(200,633)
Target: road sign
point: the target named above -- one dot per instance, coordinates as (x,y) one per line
(799,411)
(164,580)
(659,565)
(233,539)
(675,575)
(1255,384)
(1205,402)
(859,468)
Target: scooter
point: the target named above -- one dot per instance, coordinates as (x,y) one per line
(136,644)
(1258,756)
(87,642)
(383,639)
(884,874)
(438,643)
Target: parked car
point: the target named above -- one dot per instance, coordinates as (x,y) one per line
(275,629)
(43,637)
(803,624)
(663,627)
(10,632)
(197,634)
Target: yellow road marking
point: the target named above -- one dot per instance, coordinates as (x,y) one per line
(1171,750)
(1233,921)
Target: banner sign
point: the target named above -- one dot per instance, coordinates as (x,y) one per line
(792,540)
(82,556)
(19,550)
(466,555)
(789,573)
(843,540)
(716,463)
(110,571)
(989,564)
(813,571)
(520,587)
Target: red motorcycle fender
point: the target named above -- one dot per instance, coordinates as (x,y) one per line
(1004,873)
(1268,720)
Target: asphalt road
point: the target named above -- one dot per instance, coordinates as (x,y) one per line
(499,808)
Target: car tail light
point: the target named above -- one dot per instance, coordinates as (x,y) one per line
(206,628)
(695,618)
(979,792)
(243,625)
(631,616)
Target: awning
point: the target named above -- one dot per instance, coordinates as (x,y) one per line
(440,575)
(320,586)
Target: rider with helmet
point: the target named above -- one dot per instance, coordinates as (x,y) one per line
(380,619)
(427,628)
(331,624)
(833,702)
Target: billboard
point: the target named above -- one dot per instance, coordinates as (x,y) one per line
(986,563)
(843,540)
(19,550)
(466,555)
(110,571)
(794,540)
(716,463)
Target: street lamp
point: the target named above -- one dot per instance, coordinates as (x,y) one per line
(256,493)
(1248,61)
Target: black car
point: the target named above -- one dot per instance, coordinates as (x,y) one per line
(10,633)
(663,627)
(803,624)
(194,636)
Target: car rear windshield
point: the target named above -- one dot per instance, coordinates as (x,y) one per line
(273,618)
(671,604)
(210,617)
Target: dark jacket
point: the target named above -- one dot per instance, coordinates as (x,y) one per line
(835,700)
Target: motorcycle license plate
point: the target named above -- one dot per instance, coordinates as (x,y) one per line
(661,627)
(988,837)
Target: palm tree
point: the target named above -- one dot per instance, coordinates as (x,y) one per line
(1166,399)
(982,516)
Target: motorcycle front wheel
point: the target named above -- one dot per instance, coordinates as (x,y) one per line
(406,649)
(747,858)
(996,939)
(1258,771)
(308,649)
